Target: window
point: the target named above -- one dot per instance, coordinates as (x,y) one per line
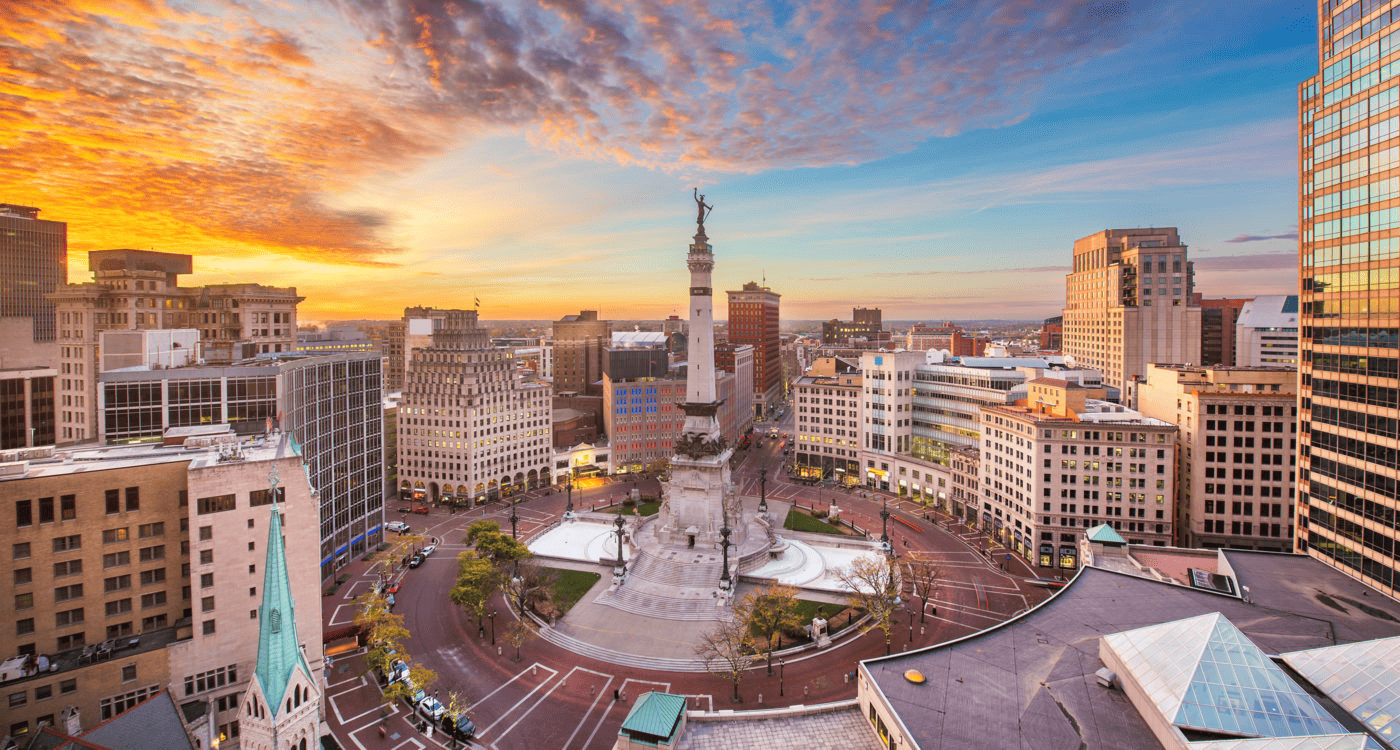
(25,626)
(154,599)
(116,583)
(68,507)
(206,557)
(129,673)
(24,513)
(153,576)
(68,593)
(118,607)
(133,499)
(208,627)
(206,580)
(67,568)
(21,550)
(24,601)
(113,536)
(206,533)
(45,510)
(19,699)
(150,554)
(24,576)
(120,630)
(43,692)
(68,617)
(67,543)
(114,500)
(216,504)
(116,559)
(207,604)
(148,530)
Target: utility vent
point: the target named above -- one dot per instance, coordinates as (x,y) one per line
(1106,677)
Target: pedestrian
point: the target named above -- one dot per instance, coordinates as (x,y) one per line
(616,696)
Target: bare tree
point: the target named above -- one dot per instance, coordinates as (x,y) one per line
(873,585)
(727,650)
(536,584)
(518,634)
(924,576)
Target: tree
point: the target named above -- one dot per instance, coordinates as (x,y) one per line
(923,581)
(873,585)
(536,585)
(488,541)
(384,632)
(477,580)
(727,650)
(518,634)
(419,678)
(768,613)
(389,559)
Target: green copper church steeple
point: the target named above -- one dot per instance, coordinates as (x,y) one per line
(278,651)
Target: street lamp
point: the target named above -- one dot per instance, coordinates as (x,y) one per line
(513,518)
(781,663)
(492,615)
(763,490)
(724,581)
(885,523)
(570,508)
(621,564)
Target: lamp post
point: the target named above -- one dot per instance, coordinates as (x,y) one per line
(621,564)
(885,523)
(724,532)
(513,519)
(570,507)
(781,663)
(763,490)
(492,615)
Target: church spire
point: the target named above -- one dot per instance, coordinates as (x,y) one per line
(278,651)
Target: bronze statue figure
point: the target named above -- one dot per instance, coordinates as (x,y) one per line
(702,208)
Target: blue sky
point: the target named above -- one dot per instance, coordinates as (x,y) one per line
(934,159)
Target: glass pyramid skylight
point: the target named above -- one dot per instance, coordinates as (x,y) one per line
(1363,678)
(1203,673)
(1316,742)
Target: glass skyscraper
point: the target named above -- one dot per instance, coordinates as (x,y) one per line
(1349,260)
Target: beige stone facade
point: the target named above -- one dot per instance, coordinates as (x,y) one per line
(1129,302)
(826,424)
(139,290)
(1236,448)
(1062,461)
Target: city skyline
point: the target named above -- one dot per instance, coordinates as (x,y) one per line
(382,157)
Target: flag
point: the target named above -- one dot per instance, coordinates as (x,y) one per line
(478,302)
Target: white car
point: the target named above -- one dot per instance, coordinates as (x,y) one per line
(431,708)
(428,550)
(398,526)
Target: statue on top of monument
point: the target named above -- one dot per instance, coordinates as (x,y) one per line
(702,208)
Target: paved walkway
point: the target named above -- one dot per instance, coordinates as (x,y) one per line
(840,730)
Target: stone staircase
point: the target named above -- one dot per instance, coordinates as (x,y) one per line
(583,648)
(672,584)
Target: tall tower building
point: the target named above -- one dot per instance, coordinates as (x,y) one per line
(1129,303)
(580,345)
(33,264)
(1349,267)
(753,320)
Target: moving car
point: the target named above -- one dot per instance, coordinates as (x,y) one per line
(416,560)
(428,550)
(398,526)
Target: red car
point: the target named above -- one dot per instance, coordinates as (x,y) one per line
(421,510)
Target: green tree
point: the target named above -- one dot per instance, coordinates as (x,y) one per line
(477,581)
(872,584)
(727,650)
(384,632)
(488,541)
(768,613)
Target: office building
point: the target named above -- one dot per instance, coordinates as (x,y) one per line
(1349,266)
(753,320)
(331,404)
(1267,332)
(644,416)
(863,331)
(1237,443)
(33,265)
(26,407)
(947,337)
(137,568)
(579,343)
(471,429)
(1063,460)
(738,359)
(827,422)
(1129,302)
(335,339)
(1218,317)
(1052,334)
(139,290)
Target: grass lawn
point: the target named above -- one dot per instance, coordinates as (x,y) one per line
(648,508)
(571,587)
(838,616)
(799,521)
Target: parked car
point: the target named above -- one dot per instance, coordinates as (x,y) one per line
(421,510)
(416,560)
(428,550)
(398,526)
(458,727)
(398,672)
(389,600)
(431,708)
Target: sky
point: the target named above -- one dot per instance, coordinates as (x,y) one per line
(933,159)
